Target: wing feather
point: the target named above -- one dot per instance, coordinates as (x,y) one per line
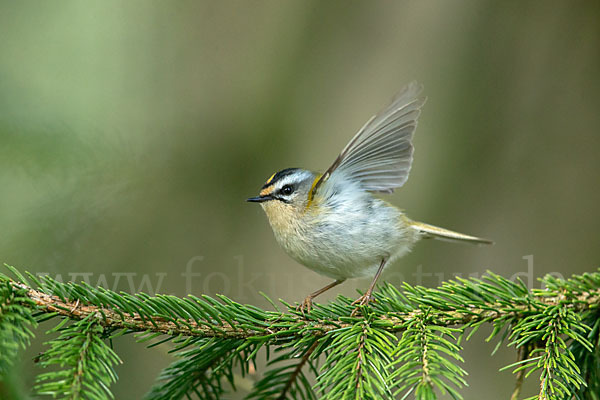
(379,156)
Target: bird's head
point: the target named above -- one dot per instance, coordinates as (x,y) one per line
(285,195)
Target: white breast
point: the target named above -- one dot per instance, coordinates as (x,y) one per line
(347,233)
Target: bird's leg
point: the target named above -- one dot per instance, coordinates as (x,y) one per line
(368,296)
(306,304)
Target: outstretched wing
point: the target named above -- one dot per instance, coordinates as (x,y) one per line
(379,156)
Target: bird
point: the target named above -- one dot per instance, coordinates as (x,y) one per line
(334,223)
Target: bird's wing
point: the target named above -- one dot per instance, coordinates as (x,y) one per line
(379,156)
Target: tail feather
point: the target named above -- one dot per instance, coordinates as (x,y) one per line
(430,231)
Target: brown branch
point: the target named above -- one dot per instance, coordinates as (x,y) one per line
(109,318)
(359,366)
(112,319)
(297,370)
(522,354)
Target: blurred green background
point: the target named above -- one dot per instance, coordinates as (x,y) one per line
(132,132)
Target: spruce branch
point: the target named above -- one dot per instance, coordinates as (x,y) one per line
(421,356)
(407,342)
(285,377)
(86,362)
(119,317)
(201,366)
(589,361)
(551,355)
(358,363)
(16,322)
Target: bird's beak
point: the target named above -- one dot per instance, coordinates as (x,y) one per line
(260,199)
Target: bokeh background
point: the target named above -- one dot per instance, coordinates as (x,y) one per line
(132,132)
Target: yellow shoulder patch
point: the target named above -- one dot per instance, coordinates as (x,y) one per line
(311,193)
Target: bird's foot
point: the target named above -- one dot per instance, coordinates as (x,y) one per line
(305,306)
(363,300)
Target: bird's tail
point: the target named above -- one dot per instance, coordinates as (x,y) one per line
(430,231)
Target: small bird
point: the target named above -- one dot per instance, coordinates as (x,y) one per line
(331,223)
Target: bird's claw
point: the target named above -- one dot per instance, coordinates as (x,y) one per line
(305,306)
(363,300)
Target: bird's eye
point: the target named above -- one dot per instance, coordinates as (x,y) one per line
(287,190)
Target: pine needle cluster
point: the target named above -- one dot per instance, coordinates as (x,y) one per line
(405,345)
